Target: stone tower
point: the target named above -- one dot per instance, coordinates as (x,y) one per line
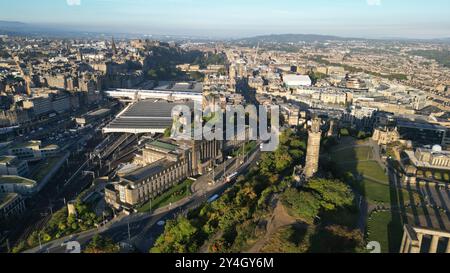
(313,150)
(71,208)
(332,130)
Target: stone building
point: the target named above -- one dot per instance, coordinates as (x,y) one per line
(414,239)
(432,159)
(385,136)
(163,164)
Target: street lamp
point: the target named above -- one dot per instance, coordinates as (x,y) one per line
(39,238)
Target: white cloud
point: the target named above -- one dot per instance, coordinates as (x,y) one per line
(73,2)
(374,2)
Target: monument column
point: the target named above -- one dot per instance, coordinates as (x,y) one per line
(402,246)
(313,149)
(407,246)
(420,239)
(415,245)
(434,244)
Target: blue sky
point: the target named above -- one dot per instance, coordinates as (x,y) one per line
(235,18)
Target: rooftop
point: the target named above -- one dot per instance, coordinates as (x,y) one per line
(51,147)
(163,145)
(14,179)
(99,112)
(423,164)
(148,171)
(6,197)
(146,115)
(6,159)
(31,143)
(420,125)
(181,87)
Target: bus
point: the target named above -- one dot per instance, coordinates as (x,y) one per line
(231,177)
(213,198)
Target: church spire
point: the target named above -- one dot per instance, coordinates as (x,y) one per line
(114,48)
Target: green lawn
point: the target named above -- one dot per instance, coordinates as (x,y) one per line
(173,195)
(383,228)
(352,154)
(373,170)
(359,160)
(376,192)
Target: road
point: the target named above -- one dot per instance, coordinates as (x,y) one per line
(141,230)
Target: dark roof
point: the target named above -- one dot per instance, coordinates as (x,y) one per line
(147,115)
(419,125)
(149,108)
(429,110)
(148,171)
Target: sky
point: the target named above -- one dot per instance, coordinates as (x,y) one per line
(240,18)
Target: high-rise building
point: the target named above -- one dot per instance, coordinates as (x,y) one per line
(313,152)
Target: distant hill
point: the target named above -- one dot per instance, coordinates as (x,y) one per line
(12,26)
(293,38)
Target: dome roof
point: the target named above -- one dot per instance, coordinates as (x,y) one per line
(437,149)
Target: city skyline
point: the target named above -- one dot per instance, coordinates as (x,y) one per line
(191,127)
(232,19)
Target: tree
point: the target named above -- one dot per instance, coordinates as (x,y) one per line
(299,144)
(317,195)
(344,132)
(178,237)
(267,164)
(283,159)
(361,135)
(304,204)
(333,193)
(337,239)
(101,244)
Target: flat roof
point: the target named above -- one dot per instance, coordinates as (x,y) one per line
(30,143)
(6,159)
(148,171)
(296,78)
(420,125)
(422,164)
(163,145)
(150,108)
(146,115)
(195,87)
(14,179)
(99,112)
(6,197)
(50,147)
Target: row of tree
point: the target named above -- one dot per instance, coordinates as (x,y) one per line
(228,224)
(60,225)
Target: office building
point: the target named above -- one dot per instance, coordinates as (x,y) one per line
(11,165)
(11,205)
(33,151)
